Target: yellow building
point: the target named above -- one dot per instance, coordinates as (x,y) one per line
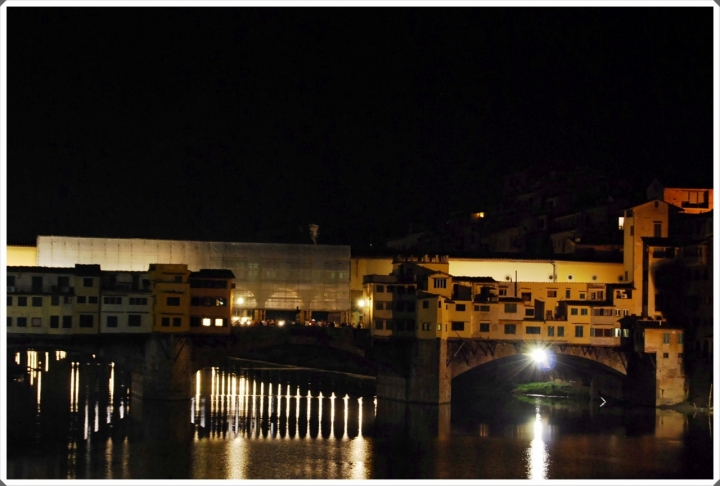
(21,256)
(211,301)
(171,297)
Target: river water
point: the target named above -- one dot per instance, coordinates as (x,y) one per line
(76,419)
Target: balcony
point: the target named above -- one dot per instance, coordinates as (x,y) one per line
(45,289)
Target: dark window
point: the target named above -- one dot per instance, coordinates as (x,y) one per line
(552,293)
(573,311)
(579,331)
(666,355)
(67,299)
(551,331)
(55,300)
(439,304)
(657,229)
(11,280)
(112,300)
(484,308)
(54,322)
(93,299)
(112,321)
(134,320)
(510,308)
(37,283)
(561,331)
(379,288)
(439,283)
(457,326)
(532,330)
(22,321)
(87,282)
(194,322)
(485,327)
(400,289)
(177,321)
(63,282)
(526,296)
(138,301)
(399,324)
(165,322)
(174,301)
(378,306)
(400,305)
(22,301)
(529,312)
(67,322)
(460,307)
(378,324)
(411,306)
(81,299)
(426,304)
(9,322)
(86,320)
(509,328)
(9,301)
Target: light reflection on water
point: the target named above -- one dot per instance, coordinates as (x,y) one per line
(243,423)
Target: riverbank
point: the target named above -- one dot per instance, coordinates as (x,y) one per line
(552,389)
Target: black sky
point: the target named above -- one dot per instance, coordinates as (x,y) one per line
(227,123)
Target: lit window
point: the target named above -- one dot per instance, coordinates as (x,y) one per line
(218,322)
(207,322)
(621,222)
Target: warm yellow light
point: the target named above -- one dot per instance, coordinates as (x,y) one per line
(240,300)
(218,322)
(362,303)
(207,321)
(621,222)
(281,323)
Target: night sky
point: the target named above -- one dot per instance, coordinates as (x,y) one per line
(245,124)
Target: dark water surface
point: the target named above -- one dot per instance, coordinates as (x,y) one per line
(74,418)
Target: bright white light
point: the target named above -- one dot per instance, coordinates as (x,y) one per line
(206,321)
(281,323)
(362,303)
(240,300)
(218,322)
(539,355)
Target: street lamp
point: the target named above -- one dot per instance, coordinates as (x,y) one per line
(361,304)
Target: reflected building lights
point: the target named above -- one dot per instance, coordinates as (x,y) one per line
(39,386)
(332,413)
(47,361)
(537,454)
(17,358)
(86,424)
(359,417)
(346,400)
(96,425)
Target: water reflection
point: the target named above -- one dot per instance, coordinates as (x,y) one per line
(538,452)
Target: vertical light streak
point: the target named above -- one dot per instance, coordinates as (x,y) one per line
(47,361)
(198,375)
(262,399)
(39,388)
(332,413)
(375,411)
(360,417)
(122,409)
(307,435)
(77,383)
(17,358)
(287,412)
(96,426)
(537,453)
(86,424)
(320,413)
(212,382)
(111,382)
(297,413)
(346,400)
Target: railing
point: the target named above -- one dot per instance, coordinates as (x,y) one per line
(45,289)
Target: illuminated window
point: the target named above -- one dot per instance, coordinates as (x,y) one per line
(621,222)
(219,322)
(207,322)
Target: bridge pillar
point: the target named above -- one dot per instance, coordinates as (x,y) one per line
(166,370)
(413,370)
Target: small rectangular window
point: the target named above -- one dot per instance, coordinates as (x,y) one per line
(573,311)
(552,293)
(36,322)
(9,300)
(55,300)
(510,308)
(510,328)
(439,304)
(22,321)
(11,280)
(679,338)
(561,331)
(457,326)
(86,320)
(583,312)
(551,331)
(378,324)
(9,322)
(578,331)
(67,299)
(532,330)
(92,299)
(87,282)
(567,293)
(666,355)
(67,322)
(530,312)
(112,321)
(426,304)
(484,308)
(439,283)
(173,301)
(177,321)
(54,322)
(22,301)
(484,327)
(379,288)
(81,299)
(165,322)
(134,320)
(666,338)
(460,307)
(526,296)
